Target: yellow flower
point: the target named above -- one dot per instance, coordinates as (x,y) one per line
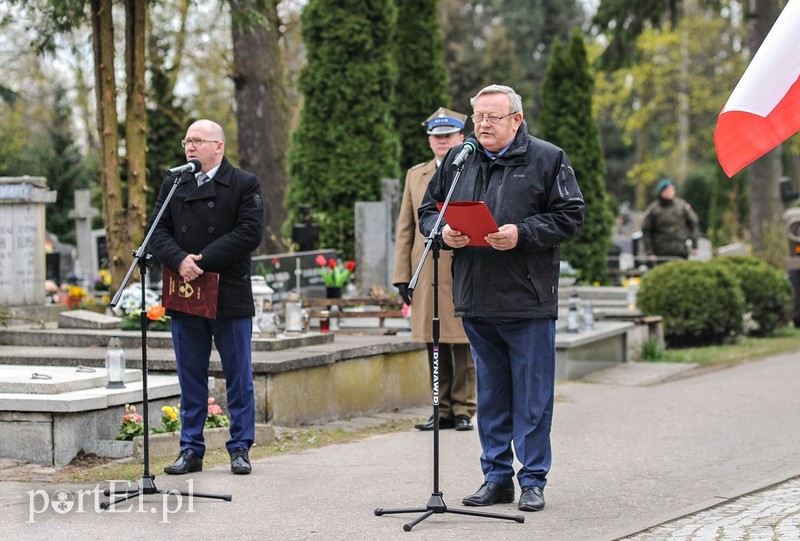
(170,412)
(102,282)
(76,292)
(632,281)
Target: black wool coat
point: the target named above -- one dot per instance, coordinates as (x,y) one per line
(223,220)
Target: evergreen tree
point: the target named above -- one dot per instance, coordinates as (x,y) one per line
(166,125)
(531,26)
(65,170)
(345,140)
(567,121)
(625,20)
(728,209)
(505,42)
(466,25)
(421,76)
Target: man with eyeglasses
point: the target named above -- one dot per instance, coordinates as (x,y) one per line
(213,223)
(507,292)
(456,367)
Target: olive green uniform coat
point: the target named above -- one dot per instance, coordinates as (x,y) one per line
(667,225)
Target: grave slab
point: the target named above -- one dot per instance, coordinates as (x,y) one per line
(38,380)
(51,428)
(578,354)
(86,319)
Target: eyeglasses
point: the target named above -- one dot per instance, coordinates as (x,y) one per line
(477,118)
(196,141)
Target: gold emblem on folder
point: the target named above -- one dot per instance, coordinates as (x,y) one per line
(185,290)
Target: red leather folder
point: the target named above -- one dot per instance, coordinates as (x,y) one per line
(198,297)
(472,218)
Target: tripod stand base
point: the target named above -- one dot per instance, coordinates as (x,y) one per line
(148,486)
(437,506)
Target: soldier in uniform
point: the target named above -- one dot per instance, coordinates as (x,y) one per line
(457,400)
(669,222)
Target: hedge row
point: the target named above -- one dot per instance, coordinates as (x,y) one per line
(714,302)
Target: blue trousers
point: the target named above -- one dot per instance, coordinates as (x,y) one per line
(191,338)
(515,365)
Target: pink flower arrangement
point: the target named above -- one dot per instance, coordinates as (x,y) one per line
(132,424)
(215,416)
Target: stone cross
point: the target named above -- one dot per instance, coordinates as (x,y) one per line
(83,215)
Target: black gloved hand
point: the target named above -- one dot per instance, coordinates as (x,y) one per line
(402,287)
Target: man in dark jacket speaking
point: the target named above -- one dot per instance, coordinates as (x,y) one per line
(507,292)
(213,222)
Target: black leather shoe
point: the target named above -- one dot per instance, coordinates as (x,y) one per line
(531,499)
(188,461)
(240,461)
(463,423)
(490,494)
(428,425)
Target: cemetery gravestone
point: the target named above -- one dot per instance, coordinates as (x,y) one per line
(279,270)
(376,226)
(22,235)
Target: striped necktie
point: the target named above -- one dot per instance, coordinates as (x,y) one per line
(202,178)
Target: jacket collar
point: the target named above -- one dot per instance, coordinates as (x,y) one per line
(517,152)
(191,191)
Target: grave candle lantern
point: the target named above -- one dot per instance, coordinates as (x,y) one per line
(115,364)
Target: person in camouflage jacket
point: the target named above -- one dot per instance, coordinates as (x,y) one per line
(669,222)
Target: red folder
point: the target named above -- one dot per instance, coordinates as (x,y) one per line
(472,218)
(198,297)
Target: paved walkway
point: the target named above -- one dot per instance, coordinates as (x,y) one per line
(680,459)
(766,515)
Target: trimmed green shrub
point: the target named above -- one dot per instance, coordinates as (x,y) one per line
(768,294)
(345,141)
(701,304)
(566,120)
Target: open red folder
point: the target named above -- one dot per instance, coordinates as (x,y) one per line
(472,218)
(198,297)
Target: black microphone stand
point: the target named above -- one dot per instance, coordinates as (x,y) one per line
(147,484)
(436,503)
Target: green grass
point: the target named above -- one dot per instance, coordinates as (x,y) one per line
(745,349)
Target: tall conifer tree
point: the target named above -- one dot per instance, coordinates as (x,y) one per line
(64,168)
(345,140)
(566,120)
(421,76)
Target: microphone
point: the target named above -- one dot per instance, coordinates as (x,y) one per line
(192,167)
(469,147)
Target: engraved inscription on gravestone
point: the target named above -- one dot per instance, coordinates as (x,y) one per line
(22,229)
(18,257)
(279,272)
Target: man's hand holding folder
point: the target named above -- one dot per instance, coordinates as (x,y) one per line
(472,219)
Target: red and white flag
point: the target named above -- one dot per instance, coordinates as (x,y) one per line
(764,108)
